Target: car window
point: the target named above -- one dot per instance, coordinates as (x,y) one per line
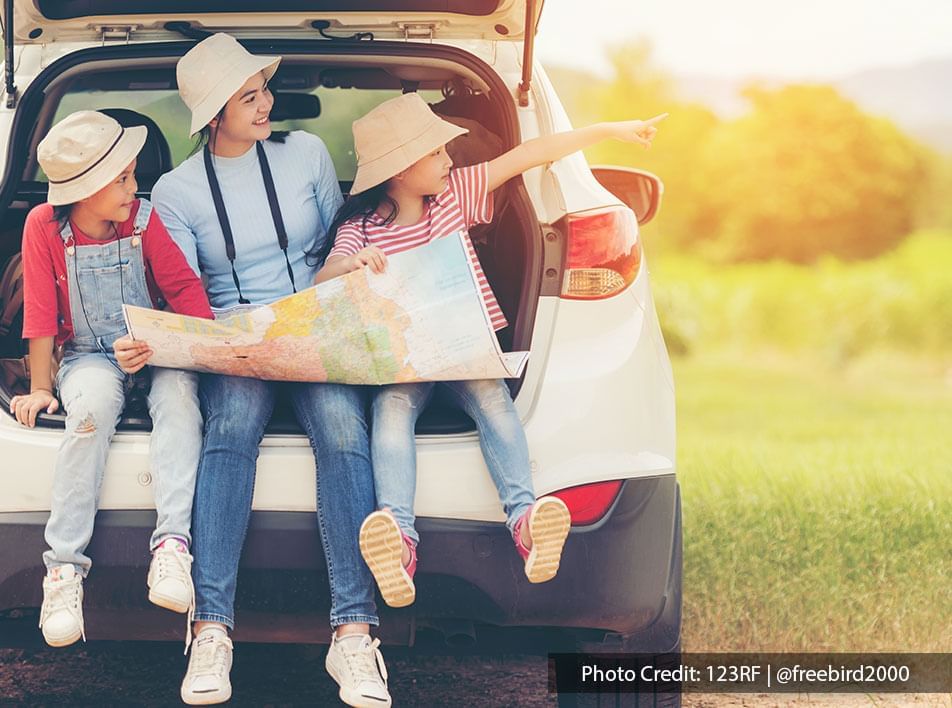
(339,108)
(161,105)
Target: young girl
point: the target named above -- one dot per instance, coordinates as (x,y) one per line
(405,195)
(90,249)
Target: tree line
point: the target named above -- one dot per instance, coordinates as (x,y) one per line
(804,173)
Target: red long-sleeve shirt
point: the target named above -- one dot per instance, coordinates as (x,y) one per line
(46,310)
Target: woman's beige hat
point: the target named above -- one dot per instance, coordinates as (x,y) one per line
(393,136)
(212,71)
(84,152)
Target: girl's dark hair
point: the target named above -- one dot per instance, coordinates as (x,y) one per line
(61,214)
(361,205)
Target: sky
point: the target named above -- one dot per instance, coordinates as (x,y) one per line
(801,39)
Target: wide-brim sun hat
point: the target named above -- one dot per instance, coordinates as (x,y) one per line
(393,136)
(212,71)
(84,152)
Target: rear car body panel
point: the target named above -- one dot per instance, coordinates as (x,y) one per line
(620,576)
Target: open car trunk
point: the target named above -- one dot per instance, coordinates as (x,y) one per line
(321,87)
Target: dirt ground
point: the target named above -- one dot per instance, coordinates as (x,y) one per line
(839,700)
(134,674)
(278,675)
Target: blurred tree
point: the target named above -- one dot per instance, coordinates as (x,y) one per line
(805,173)
(936,201)
(641,90)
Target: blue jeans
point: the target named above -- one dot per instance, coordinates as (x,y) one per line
(92,388)
(237,410)
(501,437)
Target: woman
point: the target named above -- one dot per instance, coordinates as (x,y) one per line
(246,210)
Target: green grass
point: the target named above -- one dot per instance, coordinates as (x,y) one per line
(817,504)
(901,301)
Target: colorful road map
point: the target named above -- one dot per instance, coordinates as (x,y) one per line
(423,319)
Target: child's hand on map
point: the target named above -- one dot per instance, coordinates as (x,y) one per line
(371,257)
(131,354)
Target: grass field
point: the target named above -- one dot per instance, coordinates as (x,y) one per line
(836,311)
(817,503)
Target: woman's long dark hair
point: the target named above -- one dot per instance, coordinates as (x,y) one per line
(361,205)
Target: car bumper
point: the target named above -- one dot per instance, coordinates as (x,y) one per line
(619,578)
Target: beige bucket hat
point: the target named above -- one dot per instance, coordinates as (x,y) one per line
(212,71)
(84,152)
(393,136)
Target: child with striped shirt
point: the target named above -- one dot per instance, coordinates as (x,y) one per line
(405,195)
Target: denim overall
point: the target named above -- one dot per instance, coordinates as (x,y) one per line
(92,389)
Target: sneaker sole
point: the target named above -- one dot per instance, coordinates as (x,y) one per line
(169,603)
(549,525)
(381,545)
(358,700)
(63,641)
(351,698)
(207,699)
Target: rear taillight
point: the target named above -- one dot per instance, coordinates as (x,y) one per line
(603,255)
(589,502)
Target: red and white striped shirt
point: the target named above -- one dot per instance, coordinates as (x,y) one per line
(465,201)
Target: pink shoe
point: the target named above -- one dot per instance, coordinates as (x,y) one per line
(381,545)
(549,523)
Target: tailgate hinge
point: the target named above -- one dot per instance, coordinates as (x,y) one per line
(116,33)
(418,30)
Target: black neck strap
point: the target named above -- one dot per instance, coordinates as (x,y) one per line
(226,224)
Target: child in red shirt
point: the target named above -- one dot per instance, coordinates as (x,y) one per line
(92,248)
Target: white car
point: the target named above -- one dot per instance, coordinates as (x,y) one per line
(563,256)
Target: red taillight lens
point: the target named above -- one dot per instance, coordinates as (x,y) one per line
(589,502)
(603,253)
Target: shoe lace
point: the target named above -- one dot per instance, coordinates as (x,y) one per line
(175,564)
(64,595)
(189,619)
(366,663)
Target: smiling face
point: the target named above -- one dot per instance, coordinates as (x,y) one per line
(428,175)
(114,201)
(244,119)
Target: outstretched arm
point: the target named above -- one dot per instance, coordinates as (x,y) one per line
(554,147)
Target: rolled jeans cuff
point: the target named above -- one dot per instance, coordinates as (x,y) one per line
(355,619)
(212,617)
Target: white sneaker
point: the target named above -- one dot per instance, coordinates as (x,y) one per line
(61,617)
(207,680)
(170,577)
(356,663)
